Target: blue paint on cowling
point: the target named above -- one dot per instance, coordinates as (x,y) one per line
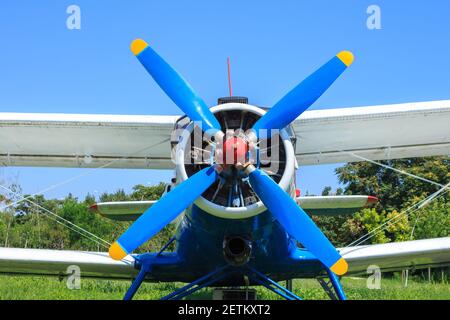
(201,232)
(296,222)
(199,250)
(301,97)
(166,209)
(177,88)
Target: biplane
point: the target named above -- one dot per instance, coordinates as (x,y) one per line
(241,219)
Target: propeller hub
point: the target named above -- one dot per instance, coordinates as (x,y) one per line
(235,151)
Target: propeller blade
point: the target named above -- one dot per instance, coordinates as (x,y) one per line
(295,221)
(175,86)
(304,94)
(163,212)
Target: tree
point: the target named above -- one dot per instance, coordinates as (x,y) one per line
(32,224)
(42,223)
(141,192)
(119,195)
(397,192)
(326,191)
(340,230)
(432,221)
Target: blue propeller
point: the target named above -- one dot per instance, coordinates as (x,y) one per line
(175,87)
(304,94)
(295,221)
(163,212)
(278,202)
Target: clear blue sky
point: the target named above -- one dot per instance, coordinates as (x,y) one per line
(44,67)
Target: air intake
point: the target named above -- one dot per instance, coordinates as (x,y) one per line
(232,99)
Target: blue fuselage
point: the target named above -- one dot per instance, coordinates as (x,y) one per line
(200,249)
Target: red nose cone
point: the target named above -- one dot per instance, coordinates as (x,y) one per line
(234,151)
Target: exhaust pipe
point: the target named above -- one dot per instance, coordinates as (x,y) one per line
(237,249)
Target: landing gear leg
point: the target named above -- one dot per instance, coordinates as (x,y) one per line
(337,285)
(289,284)
(265,281)
(198,284)
(334,283)
(137,282)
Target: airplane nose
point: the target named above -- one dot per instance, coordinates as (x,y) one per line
(235,151)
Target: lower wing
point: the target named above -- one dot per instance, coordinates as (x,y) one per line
(58,263)
(313,205)
(415,254)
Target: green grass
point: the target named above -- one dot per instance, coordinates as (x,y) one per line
(36,287)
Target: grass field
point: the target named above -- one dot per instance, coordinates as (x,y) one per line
(35,287)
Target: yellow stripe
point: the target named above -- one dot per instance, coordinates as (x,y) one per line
(340,267)
(116,252)
(137,46)
(346,57)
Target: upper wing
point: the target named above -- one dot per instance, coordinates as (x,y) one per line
(378,132)
(394,256)
(121,141)
(85,140)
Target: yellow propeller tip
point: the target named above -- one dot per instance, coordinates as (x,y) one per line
(137,46)
(116,252)
(346,57)
(340,267)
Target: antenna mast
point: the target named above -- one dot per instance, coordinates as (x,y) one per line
(229,78)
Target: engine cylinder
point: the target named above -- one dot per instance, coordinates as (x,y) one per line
(232,197)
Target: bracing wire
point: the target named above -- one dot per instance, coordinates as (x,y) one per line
(395,169)
(66,223)
(64,182)
(356,246)
(420,204)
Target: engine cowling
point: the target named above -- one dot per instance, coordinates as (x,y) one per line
(232,197)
